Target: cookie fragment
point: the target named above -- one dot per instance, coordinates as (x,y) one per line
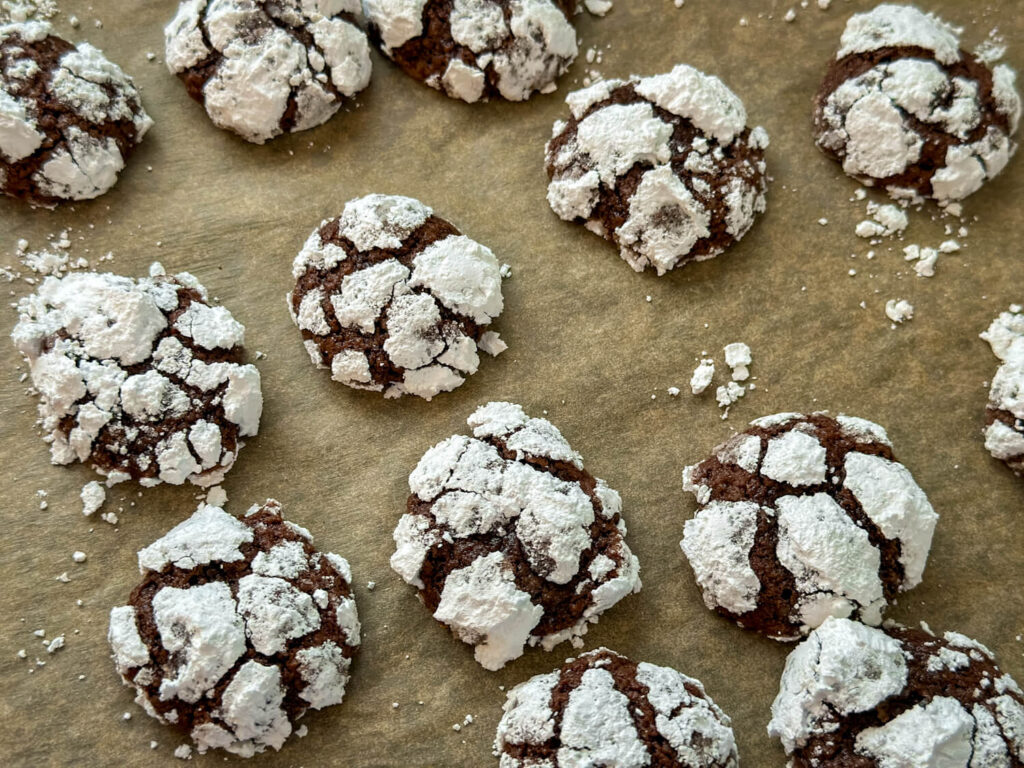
(604,709)
(141,378)
(1004,416)
(475,50)
(263,69)
(239,626)
(509,540)
(903,107)
(803,517)
(875,698)
(394,299)
(69,118)
(665,167)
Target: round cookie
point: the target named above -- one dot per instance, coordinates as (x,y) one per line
(1004,416)
(664,167)
(903,107)
(141,378)
(69,118)
(262,69)
(477,49)
(852,695)
(509,540)
(803,517)
(238,627)
(394,299)
(604,709)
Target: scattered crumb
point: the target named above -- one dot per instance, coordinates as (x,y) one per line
(702,376)
(56,644)
(93,495)
(78,556)
(63,578)
(371,585)
(673,391)
(737,357)
(506,270)
(183,752)
(216,497)
(790,15)
(899,310)
(598,7)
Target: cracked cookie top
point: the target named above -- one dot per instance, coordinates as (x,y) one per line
(266,68)
(477,49)
(394,299)
(803,517)
(509,540)
(663,166)
(238,627)
(69,118)
(141,378)
(853,695)
(903,107)
(604,709)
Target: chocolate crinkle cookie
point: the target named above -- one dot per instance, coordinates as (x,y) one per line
(266,68)
(69,118)
(509,540)
(394,299)
(662,166)
(1004,435)
(903,107)
(854,696)
(141,378)
(803,517)
(602,709)
(477,49)
(238,627)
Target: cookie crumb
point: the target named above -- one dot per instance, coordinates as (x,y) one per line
(56,644)
(737,357)
(899,310)
(93,495)
(702,376)
(78,556)
(673,391)
(183,752)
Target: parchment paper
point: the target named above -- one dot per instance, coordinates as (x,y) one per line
(586,347)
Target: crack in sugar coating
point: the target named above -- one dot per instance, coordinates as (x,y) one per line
(1004,414)
(266,67)
(72,117)
(675,725)
(781,539)
(143,379)
(422,334)
(563,564)
(724,176)
(951,143)
(928,697)
(477,49)
(323,579)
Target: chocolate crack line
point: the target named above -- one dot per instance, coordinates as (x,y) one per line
(935,141)
(196,76)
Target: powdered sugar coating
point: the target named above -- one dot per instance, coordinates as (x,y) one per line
(506,532)
(69,118)
(1004,434)
(850,691)
(265,69)
(392,298)
(224,651)
(903,107)
(141,378)
(603,709)
(672,152)
(802,518)
(477,49)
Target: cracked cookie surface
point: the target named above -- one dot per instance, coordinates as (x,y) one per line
(803,517)
(262,68)
(509,540)
(69,118)
(238,627)
(393,298)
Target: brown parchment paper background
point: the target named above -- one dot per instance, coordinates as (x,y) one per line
(585,347)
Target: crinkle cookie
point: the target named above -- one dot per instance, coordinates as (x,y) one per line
(69,118)
(803,517)
(602,709)
(262,69)
(509,540)
(476,49)
(664,167)
(852,695)
(239,626)
(392,298)
(141,378)
(903,107)
(1004,435)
